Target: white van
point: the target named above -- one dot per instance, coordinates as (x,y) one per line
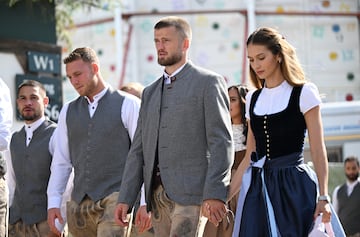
(341,123)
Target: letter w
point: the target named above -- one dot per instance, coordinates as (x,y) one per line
(41,62)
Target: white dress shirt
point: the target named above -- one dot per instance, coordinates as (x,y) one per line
(61,166)
(6,115)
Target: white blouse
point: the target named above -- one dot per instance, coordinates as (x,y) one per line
(239,137)
(274,100)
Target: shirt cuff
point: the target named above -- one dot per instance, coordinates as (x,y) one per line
(142,196)
(54,202)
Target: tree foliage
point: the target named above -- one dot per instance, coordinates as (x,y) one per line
(64,10)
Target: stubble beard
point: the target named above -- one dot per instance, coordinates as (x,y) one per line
(352,177)
(170,61)
(30,118)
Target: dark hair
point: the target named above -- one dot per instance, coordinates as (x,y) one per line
(352,158)
(181,25)
(289,65)
(31,83)
(242,91)
(86,54)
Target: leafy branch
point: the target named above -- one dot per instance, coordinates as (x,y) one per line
(64,10)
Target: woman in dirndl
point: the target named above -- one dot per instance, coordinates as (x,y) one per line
(280,195)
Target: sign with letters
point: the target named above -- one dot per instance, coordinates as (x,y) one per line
(43,62)
(53,87)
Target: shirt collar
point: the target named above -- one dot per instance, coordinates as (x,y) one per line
(280,87)
(31,127)
(352,184)
(98,96)
(167,76)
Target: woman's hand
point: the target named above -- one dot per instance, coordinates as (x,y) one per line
(324,208)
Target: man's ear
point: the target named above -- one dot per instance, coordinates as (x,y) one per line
(46,101)
(95,67)
(186,44)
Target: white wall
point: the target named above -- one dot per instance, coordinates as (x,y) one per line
(328,47)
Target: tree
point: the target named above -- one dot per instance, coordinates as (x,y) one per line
(64,10)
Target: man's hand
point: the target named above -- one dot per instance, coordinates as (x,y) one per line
(143,219)
(53,214)
(214,210)
(120,214)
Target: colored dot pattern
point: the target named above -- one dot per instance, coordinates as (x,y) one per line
(349,97)
(330,38)
(325,4)
(150,58)
(336,28)
(350,76)
(333,56)
(216,26)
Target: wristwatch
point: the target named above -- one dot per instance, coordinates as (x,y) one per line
(325,198)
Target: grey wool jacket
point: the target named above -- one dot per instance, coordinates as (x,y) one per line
(187,126)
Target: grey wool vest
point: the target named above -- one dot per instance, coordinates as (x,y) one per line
(98,146)
(349,209)
(32,171)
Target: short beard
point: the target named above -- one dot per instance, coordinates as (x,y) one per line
(170,61)
(352,178)
(30,117)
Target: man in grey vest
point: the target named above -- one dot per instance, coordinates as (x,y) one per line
(29,165)
(182,149)
(6,116)
(93,137)
(346,198)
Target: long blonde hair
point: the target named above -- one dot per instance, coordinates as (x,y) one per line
(289,65)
